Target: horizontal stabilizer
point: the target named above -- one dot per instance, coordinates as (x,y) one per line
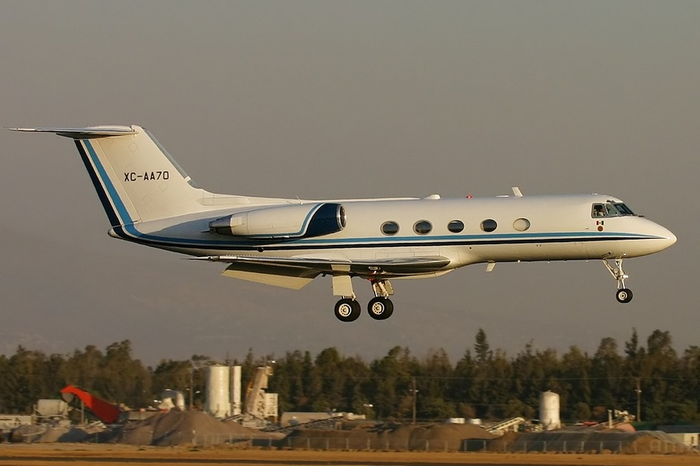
(88,132)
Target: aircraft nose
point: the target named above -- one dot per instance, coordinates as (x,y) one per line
(668,239)
(671,239)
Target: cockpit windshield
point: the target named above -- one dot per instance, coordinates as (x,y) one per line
(611,209)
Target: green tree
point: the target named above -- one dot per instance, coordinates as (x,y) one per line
(83,368)
(27,380)
(461,386)
(391,380)
(124,379)
(607,372)
(329,371)
(528,376)
(575,381)
(434,379)
(173,375)
(659,369)
(482,348)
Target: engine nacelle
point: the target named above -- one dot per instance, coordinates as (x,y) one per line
(289,221)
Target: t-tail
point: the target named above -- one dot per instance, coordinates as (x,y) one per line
(135,178)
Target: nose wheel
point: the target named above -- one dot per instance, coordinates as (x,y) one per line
(623,294)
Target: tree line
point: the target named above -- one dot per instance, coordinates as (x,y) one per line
(484,383)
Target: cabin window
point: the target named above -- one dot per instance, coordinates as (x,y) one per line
(521,224)
(455,226)
(422,227)
(489,225)
(390,228)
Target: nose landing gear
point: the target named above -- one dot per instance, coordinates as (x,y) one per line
(623,295)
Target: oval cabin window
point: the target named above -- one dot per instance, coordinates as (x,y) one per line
(489,225)
(521,224)
(422,227)
(455,226)
(390,228)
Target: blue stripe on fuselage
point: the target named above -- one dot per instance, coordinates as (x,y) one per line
(346,243)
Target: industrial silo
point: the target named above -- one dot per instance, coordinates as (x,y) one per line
(217,401)
(172,399)
(549,410)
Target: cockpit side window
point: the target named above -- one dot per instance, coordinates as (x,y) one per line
(598,210)
(610,209)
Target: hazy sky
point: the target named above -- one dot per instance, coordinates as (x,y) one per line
(339,100)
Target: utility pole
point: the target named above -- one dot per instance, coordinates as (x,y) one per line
(191,390)
(414,391)
(639,400)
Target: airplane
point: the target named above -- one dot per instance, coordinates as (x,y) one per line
(150,200)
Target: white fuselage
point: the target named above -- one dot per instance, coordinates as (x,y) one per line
(530,228)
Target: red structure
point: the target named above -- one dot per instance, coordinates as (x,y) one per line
(105,411)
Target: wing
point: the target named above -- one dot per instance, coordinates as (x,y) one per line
(297,272)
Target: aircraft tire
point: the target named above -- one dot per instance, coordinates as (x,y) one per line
(380,308)
(624,295)
(347,310)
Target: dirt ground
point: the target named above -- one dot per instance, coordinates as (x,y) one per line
(97,455)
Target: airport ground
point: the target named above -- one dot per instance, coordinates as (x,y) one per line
(98,455)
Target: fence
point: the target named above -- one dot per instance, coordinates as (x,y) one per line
(645,446)
(648,446)
(639,446)
(145,437)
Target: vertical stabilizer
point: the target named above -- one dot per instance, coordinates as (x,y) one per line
(133,175)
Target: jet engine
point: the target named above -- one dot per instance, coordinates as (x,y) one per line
(283,222)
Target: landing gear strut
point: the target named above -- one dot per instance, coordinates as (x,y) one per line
(623,295)
(381,307)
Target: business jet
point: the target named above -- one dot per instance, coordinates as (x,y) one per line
(150,200)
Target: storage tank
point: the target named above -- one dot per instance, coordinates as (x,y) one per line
(172,399)
(217,401)
(236,390)
(549,410)
(51,408)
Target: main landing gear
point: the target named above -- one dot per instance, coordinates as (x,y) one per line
(347,310)
(623,295)
(379,308)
